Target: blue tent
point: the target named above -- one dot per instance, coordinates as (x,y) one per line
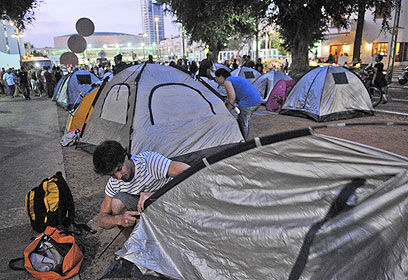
(74,87)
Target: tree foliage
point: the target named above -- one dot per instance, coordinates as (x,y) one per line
(214,22)
(21,12)
(300,23)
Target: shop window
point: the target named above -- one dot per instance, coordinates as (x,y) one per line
(380,48)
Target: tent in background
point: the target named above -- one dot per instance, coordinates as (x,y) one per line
(328,93)
(245,72)
(74,87)
(267,81)
(78,118)
(278,95)
(295,205)
(151,107)
(217,66)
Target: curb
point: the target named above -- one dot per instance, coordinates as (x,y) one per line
(398,86)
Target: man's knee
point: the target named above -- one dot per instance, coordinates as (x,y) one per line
(118,207)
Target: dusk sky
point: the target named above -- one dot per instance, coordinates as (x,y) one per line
(56,18)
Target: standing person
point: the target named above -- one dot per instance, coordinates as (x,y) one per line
(101,71)
(234,64)
(40,82)
(286,66)
(2,85)
(379,80)
(206,65)
(119,64)
(58,75)
(259,65)
(15,73)
(244,93)
(133,180)
(9,82)
(150,59)
(193,68)
(24,84)
(48,82)
(249,62)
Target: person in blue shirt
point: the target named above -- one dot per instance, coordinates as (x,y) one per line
(242,92)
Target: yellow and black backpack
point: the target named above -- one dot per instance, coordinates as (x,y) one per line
(50,204)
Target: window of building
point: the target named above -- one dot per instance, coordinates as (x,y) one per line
(381,48)
(401,53)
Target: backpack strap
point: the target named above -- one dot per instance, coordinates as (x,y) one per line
(66,193)
(13,266)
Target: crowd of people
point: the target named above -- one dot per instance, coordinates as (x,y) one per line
(29,80)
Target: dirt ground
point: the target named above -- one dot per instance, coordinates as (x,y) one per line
(88,188)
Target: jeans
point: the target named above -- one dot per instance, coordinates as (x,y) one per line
(11,90)
(243,119)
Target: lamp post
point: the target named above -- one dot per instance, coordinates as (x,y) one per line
(18,35)
(156,19)
(143,44)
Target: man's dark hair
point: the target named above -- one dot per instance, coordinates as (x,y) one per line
(222,72)
(108,156)
(380,57)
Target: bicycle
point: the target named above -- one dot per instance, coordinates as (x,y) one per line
(375,93)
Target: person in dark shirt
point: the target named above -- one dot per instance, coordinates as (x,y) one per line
(379,80)
(193,68)
(119,64)
(24,85)
(206,65)
(259,66)
(234,64)
(58,74)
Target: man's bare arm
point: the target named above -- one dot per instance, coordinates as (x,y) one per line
(177,167)
(107,221)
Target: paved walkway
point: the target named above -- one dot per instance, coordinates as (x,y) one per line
(29,152)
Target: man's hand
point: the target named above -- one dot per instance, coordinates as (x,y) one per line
(128,219)
(143,197)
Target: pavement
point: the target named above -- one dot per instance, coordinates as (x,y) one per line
(29,152)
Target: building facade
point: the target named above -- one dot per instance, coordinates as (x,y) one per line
(106,45)
(153,21)
(340,42)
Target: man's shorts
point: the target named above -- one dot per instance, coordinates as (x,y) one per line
(130,200)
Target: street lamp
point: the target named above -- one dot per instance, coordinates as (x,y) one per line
(156,19)
(143,44)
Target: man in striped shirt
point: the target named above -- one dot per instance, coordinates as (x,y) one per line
(133,180)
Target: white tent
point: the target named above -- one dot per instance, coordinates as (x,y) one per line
(152,107)
(245,72)
(328,93)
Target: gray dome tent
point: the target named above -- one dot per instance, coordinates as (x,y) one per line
(152,107)
(328,93)
(296,205)
(267,81)
(73,88)
(245,72)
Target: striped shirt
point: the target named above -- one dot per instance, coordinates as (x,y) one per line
(150,175)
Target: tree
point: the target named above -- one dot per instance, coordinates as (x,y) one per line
(301,23)
(380,7)
(213,22)
(21,12)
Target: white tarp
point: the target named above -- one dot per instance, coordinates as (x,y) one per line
(250,215)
